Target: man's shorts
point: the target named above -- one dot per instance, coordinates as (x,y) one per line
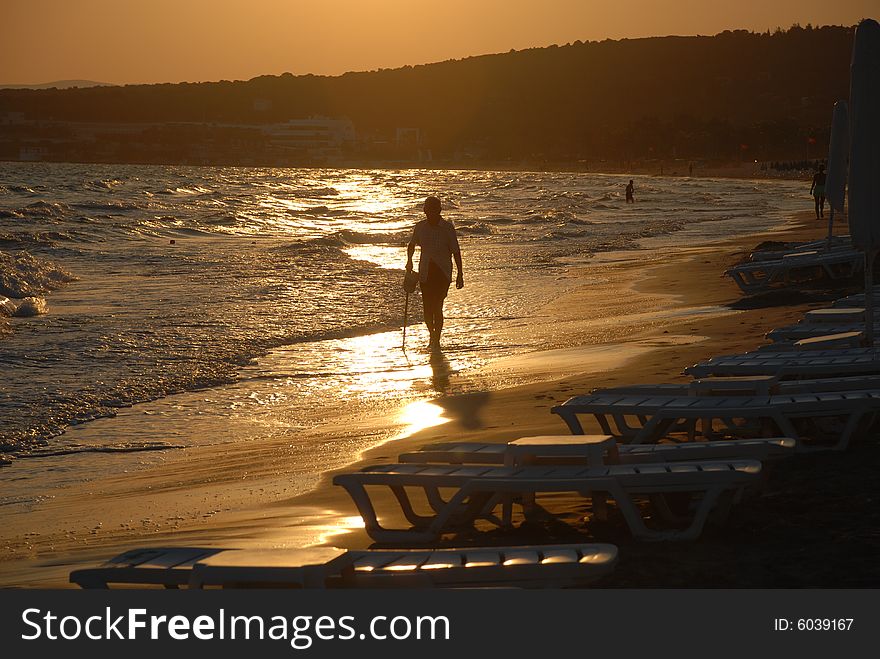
(436,285)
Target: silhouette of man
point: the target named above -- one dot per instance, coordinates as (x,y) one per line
(439,245)
(817,189)
(629,192)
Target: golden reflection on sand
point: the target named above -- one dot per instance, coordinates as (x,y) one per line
(418,416)
(340,526)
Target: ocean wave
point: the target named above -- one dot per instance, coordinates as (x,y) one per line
(46,209)
(181,190)
(109,205)
(21,189)
(128,447)
(103,184)
(23,276)
(309,193)
(11,214)
(28,239)
(7,306)
(30,306)
(479,229)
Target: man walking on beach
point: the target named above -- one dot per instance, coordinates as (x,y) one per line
(439,244)
(629,192)
(817,189)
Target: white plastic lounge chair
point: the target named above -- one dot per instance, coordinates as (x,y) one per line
(643,419)
(747,385)
(857,299)
(477,490)
(761,449)
(837,242)
(797,267)
(538,566)
(792,364)
(802,330)
(844,340)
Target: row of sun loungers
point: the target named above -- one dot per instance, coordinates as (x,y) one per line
(757,276)
(709,440)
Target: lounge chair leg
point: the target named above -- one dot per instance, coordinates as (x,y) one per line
(406,506)
(464,513)
(848,430)
(631,514)
(571,420)
(707,503)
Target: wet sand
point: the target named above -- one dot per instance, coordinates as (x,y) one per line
(634,318)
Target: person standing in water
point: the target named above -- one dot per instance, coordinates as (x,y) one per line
(439,245)
(629,192)
(817,189)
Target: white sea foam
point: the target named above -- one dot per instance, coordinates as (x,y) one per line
(23,275)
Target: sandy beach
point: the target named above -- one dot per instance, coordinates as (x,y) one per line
(630,317)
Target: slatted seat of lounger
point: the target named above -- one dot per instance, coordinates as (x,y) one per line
(762,449)
(536,566)
(857,300)
(837,243)
(478,490)
(761,384)
(792,268)
(167,566)
(793,364)
(647,419)
(836,315)
(799,331)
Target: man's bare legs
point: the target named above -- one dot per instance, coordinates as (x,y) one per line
(433,307)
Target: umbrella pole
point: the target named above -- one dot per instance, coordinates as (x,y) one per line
(830,226)
(869,297)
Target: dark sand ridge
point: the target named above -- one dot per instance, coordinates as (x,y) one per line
(650,314)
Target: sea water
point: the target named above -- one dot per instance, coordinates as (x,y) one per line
(147,300)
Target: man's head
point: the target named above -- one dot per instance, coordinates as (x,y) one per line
(432,206)
(821,168)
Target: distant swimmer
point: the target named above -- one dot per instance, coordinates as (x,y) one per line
(629,192)
(439,245)
(817,189)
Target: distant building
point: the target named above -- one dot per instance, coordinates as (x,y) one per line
(262,105)
(408,137)
(11,118)
(32,153)
(315,133)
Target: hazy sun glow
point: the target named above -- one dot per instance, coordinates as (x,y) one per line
(198,40)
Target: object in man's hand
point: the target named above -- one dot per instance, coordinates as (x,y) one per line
(410,281)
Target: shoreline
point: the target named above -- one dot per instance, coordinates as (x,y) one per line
(734,170)
(636,328)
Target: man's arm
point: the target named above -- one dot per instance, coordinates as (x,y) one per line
(456,254)
(410,250)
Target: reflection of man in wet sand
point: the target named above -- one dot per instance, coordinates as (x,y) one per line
(439,244)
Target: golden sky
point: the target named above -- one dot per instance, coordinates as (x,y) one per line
(125,41)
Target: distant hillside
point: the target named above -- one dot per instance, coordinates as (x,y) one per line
(733,95)
(60,84)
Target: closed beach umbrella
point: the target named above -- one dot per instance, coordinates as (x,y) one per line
(864,157)
(838,163)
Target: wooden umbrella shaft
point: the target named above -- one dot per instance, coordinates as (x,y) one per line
(869,297)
